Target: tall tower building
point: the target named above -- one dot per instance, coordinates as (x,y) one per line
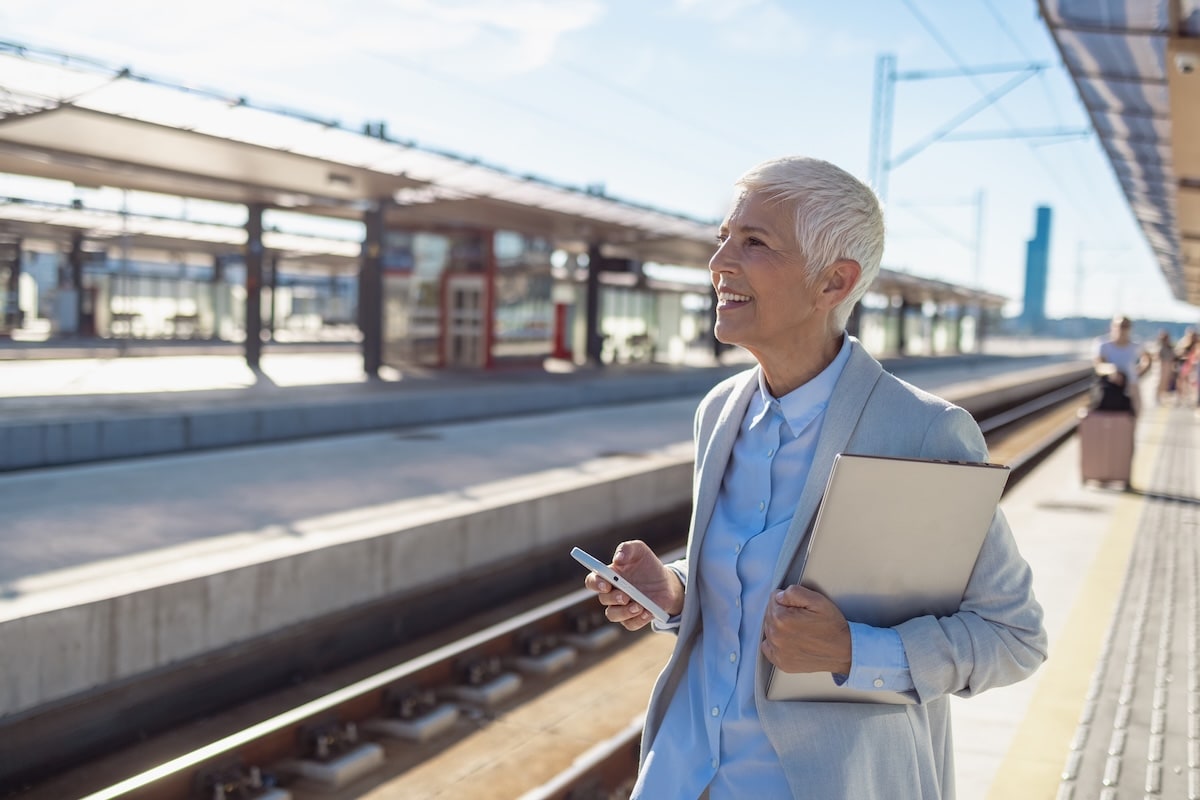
(1037,261)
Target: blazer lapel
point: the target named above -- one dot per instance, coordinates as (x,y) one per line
(715,457)
(716,440)
(841,417)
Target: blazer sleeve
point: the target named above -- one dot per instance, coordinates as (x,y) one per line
(997,636)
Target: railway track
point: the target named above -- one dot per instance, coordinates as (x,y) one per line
(403,723)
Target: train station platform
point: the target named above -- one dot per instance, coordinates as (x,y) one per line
(1114,711)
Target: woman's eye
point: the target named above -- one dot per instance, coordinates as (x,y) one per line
(749,241)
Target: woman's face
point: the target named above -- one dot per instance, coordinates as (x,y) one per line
(1120,331)
(765,302)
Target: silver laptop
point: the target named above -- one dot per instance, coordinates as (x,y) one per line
(894,539)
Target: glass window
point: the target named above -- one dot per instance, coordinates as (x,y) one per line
(412,295)
(524,324)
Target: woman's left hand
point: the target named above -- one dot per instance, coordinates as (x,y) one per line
(805,632)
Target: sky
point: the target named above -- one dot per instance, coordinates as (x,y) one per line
(666,102)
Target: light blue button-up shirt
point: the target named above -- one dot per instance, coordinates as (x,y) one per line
(710,736)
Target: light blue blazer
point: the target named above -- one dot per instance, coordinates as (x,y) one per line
(861,751)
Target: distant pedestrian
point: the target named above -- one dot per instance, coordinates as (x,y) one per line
(1168,367)
(1186,352)
(1120,363)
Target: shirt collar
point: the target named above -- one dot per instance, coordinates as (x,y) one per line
(799,406)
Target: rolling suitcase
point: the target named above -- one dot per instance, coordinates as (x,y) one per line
(1106,446)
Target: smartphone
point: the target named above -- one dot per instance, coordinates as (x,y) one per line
(604,571)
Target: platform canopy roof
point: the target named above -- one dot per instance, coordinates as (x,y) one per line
(1136,65)
(68,119)
(51,222)
(917,290)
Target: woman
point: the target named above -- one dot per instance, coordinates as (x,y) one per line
(799,247)
(1185,353)
(1168,365)
(1120,363)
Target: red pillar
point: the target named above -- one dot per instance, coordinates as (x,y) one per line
(561,333)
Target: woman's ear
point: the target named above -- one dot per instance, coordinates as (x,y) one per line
(840,279)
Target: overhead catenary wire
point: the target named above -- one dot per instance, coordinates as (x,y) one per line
(1085,175)
(1072,200)
(607,134)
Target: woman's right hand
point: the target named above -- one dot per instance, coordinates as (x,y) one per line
(638,564)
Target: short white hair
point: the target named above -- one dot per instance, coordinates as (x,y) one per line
(837,216)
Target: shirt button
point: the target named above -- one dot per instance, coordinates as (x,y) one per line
(737,548)
(737,602)
(714,763)
(715,711)
(732,657)
(771,452)
(878,684)
(761,505)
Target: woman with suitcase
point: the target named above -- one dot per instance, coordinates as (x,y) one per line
(1107,430)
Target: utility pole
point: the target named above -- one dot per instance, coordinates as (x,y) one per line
(881,160)
(881,123)
(979,195)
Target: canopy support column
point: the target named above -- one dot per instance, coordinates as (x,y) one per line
(254,275)
(370,288)
(902,327)
(594,342)
(12,308)
(74,283)
(273,261)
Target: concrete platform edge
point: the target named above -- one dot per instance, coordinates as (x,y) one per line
(29,444)
(113,630)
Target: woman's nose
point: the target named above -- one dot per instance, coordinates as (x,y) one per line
(720,261)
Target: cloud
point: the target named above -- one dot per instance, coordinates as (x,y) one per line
(513,36)
(718,10)
(231,38)
(755,26)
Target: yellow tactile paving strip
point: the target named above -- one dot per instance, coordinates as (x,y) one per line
(1033,766)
